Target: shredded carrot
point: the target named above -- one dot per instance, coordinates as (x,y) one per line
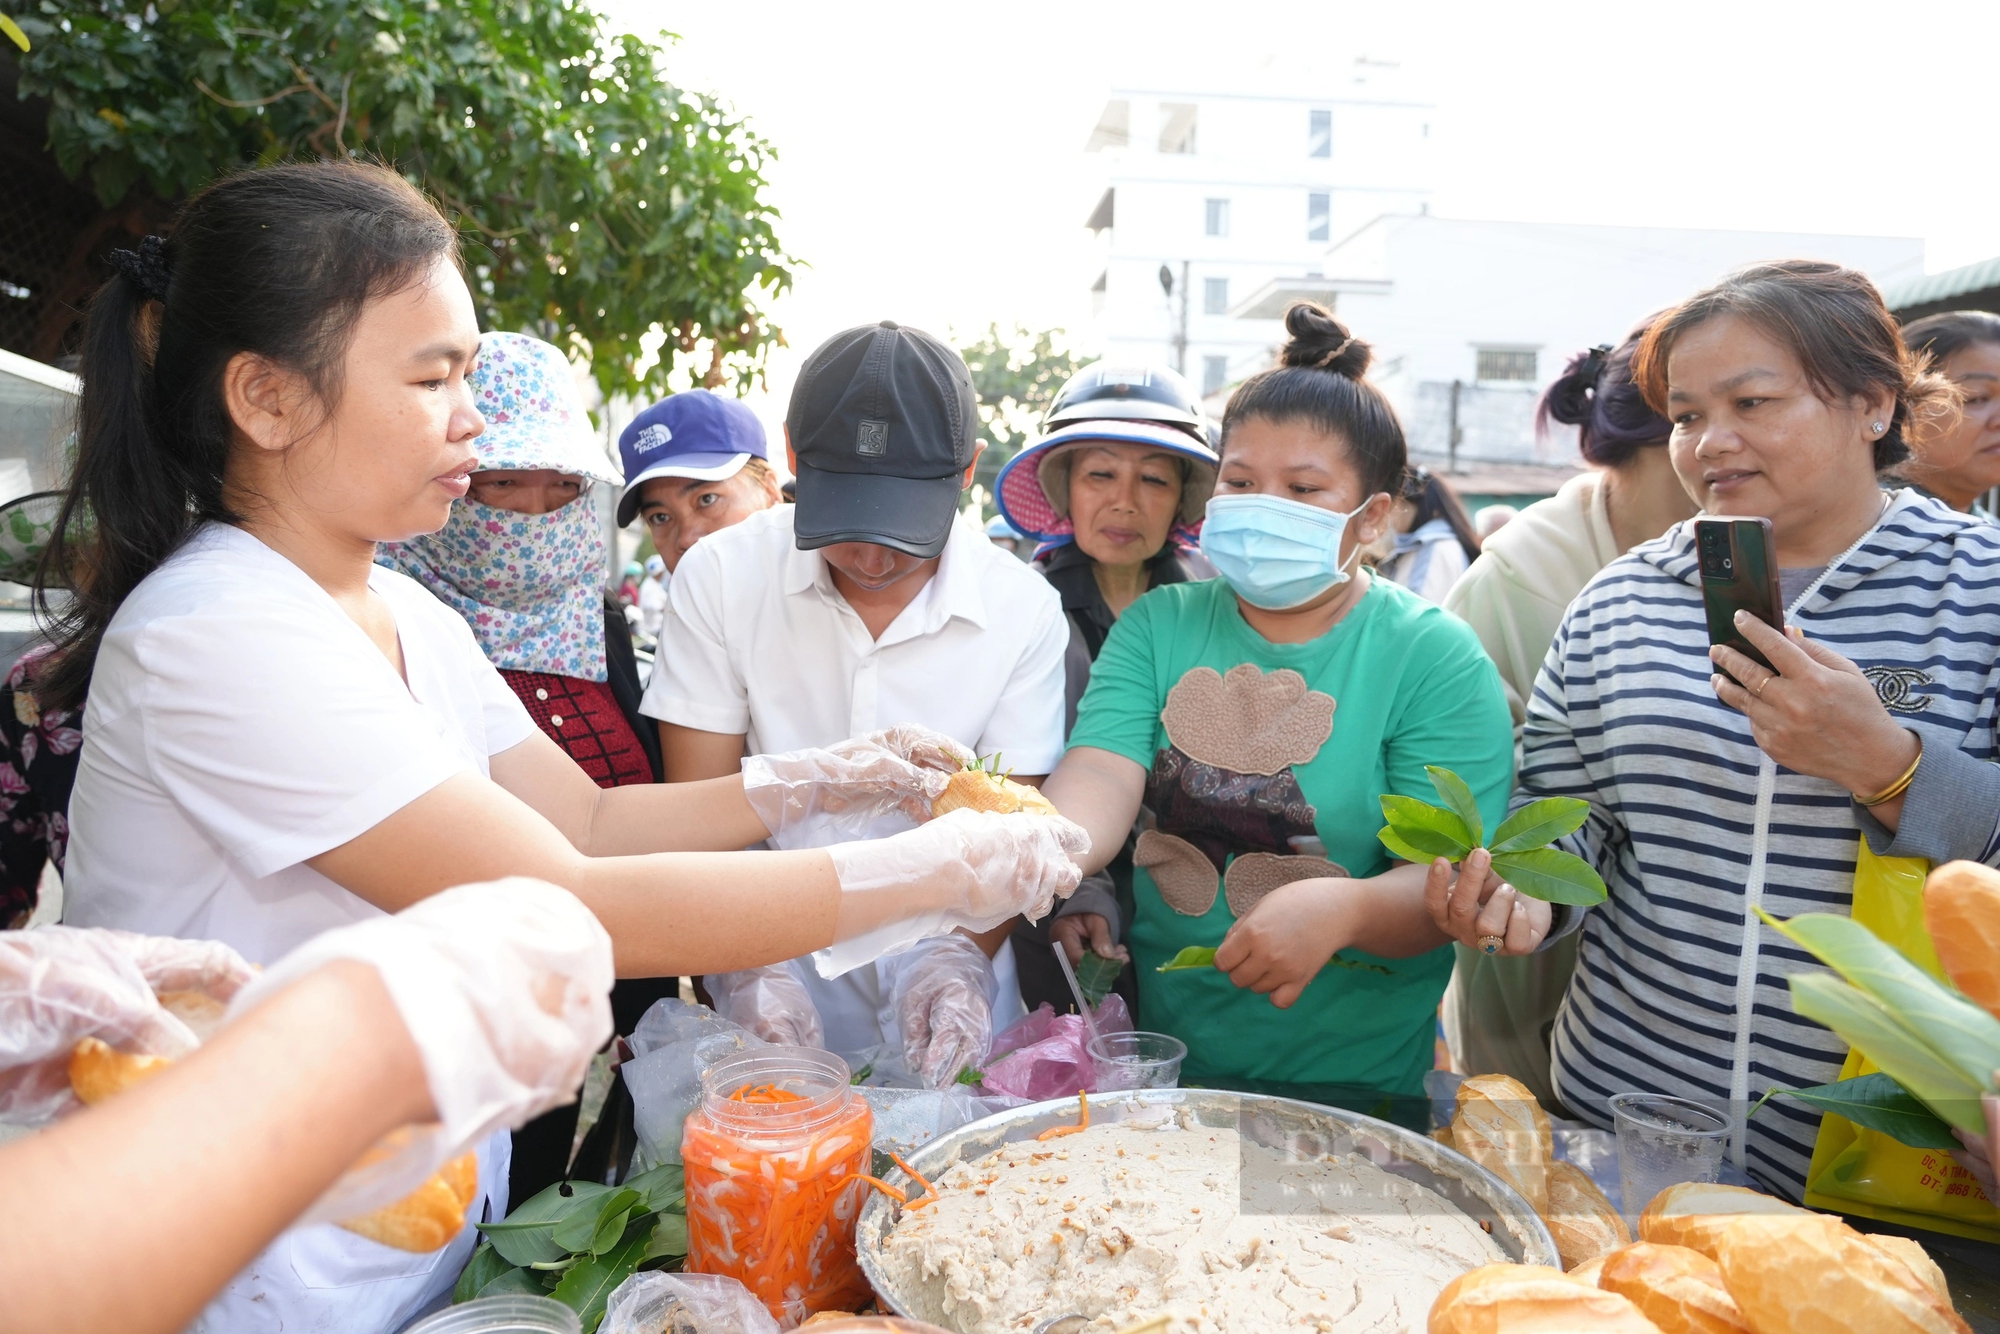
(930,1195)
(885,1188)
(1083,1122)
(765,1093)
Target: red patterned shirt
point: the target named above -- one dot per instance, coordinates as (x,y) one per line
(584,719)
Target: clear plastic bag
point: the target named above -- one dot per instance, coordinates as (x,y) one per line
(672,1048)
(656,1303)
(1043,1056)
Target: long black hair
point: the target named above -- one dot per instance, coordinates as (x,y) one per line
(277,262)
(1319,380)
(1435,498)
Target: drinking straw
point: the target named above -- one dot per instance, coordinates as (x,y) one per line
(1082,1007)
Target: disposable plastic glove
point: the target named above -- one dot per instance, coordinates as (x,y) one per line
(506,990)
(61,984)
(898,771)
(968,869)
(771,1002)
(942,1006)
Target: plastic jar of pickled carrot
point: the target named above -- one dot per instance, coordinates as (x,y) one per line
(774,1157)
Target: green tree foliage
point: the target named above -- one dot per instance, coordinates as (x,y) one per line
(599,201)
(1016,375)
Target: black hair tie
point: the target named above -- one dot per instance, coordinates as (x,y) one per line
(145,268)
(1594,362)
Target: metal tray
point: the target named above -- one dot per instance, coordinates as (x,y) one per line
(1305,1128)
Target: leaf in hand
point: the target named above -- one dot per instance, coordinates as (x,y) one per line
(1096,975)
(1451,789)
(1551,875)
(1425,825)
(1406,851)
(1540,823)
(1194,956)
(1877,1102)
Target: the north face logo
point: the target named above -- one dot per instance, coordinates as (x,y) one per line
(872,439)
(651,439)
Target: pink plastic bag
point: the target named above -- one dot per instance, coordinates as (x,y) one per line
(1043,1055)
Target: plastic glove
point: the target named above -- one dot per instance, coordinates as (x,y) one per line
(968,869)
(898,771)
(771,1002)
(61,984)
(506,990)
(942,1006)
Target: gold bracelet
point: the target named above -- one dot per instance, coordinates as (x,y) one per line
(1901,785)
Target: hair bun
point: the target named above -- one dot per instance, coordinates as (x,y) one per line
(1568,397)
(1320,342)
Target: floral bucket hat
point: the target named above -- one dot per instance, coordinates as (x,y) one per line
(535,418)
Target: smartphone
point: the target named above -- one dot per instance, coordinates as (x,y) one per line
(1739,572)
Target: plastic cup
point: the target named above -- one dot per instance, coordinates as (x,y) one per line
(514,1314)
(1663,1141)
(1137,1061)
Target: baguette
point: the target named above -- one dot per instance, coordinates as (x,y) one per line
(1678,1289)
(1813,1274)
(97,1070)
(429,1216)
(979,790)
(1694,1213)
(1913,1254)
(1580,1218)
(1531,1299)
(1962,912)
(1500,1126)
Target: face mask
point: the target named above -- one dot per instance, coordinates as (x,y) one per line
(1277,554)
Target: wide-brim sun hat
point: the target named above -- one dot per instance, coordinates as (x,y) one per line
(1033,489)
(535,416)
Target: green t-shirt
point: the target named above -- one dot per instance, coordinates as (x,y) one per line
(1301,740)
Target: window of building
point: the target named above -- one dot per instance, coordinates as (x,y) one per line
(1319,217)
(1506,365)
(1177,127)
(1319,137)
(1114,127)
(1215,296)
(1215,375)
(1215,221)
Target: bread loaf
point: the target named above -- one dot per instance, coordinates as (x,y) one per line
(979,790)
(1813,1274)
(1913,1254)
(1962,910)
(201,1012)
(1677,1289)
(97,1070)
(1580,1218)
(1588,1271)
(1531,1299)
(1694,1213)
(429,1216)
(1500,1126)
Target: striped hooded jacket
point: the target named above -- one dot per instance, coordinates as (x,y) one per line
(1679,988)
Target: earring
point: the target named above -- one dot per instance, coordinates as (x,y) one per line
(1879,428)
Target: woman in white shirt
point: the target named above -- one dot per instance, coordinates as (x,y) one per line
(284,737)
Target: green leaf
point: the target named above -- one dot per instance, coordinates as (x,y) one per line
(1961,1033)
(1393,841)
(597,1232)
(1877,1102)
(485,1265)
(1194,956)
(517,1282)
(1096,975)
(1425,825)
(665,1188)
(1871,1029)
(1540,823)
(969,1075)
(1551,875)
(525,1236)
(1451,789)
(587,1287)
(13,32)
(668,1237)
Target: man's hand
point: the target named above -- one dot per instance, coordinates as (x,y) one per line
(1086,930)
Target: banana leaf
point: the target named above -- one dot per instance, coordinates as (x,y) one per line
(1423,824)
(1552,875)
(1875,1102)
(1873,1030)
(1959,1032)
(1540,823)
(1451,789)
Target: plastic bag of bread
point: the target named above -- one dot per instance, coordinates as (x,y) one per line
(1531,1299)
(1500,1126)
(429,1216)
(1694,1213)
(1813,1274)
(1579,1216)
(134,996)
(1678,1289)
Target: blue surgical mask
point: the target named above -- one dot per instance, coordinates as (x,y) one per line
(1277,554)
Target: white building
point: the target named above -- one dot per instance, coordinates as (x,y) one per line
(1222,192)
(1487,313)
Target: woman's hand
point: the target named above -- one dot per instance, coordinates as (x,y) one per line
(1086,931)
(1481,911)
(1816,714)
(1280,945)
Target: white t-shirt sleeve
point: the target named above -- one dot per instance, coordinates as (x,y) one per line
(694,682)
(1026,725)
(285,743)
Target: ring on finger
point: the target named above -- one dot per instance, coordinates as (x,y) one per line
(1491,944)
(1768,678)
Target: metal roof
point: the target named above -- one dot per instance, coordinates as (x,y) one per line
(1943,286)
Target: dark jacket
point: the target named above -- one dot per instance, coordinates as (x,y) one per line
(1090,620)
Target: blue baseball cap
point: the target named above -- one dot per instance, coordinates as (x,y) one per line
(700,435)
